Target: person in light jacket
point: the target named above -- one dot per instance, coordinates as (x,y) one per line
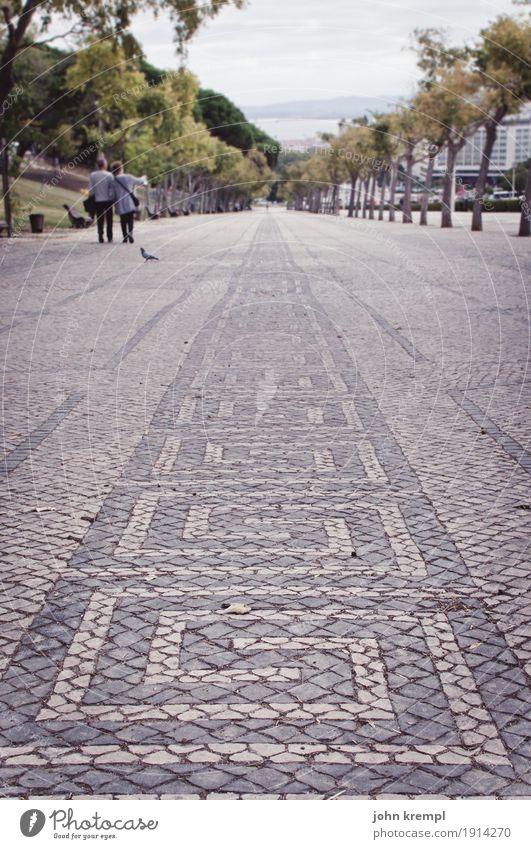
(101,189)
(125,206)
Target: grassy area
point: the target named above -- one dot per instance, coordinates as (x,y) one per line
(32,196)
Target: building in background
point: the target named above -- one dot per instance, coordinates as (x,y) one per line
(513,145)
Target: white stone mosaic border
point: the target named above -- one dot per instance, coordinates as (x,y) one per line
(196,527)
(480,739)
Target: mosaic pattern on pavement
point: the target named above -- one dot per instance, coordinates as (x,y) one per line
(300,453)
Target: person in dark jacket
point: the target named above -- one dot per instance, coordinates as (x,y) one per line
(101,189)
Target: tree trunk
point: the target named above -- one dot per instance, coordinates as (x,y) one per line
(165,191)
(6,76)
(449,184)
(426,193)
(382,196)
(365,197)
(491,130)
(4,159)
(317,201)
(188,191)
(335,193)
(392,190)
(172,191)
(525,217)
(358,199)
(372,193)
(407,217)
(352,197)
(14,38)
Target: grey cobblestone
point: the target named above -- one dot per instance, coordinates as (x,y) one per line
(277,429)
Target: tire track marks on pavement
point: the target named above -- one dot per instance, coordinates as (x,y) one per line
(409,347)
(22,451)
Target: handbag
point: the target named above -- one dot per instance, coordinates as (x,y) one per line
(134,197)
(89,205)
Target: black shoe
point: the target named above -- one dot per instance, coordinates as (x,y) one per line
(131,238)
(109,240)
(100,240)
(125,239)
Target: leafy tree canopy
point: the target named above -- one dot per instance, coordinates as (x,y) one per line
(228,123)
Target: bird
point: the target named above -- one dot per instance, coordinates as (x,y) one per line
(147,256)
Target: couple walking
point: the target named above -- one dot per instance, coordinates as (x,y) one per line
(108,188)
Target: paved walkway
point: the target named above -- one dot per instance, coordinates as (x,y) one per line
(316,421)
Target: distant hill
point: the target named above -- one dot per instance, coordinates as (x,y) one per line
(335,107)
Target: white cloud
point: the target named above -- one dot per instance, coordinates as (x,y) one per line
(276,50)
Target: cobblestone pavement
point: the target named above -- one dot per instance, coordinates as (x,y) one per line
(322,421)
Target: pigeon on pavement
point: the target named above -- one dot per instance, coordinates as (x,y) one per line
(147,256)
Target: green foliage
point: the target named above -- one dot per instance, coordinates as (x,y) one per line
(520,177)
(127,109)
(153,75)
(224,119)
(228,123)
(40,98)
(434,54)
(503,57)
(492,205)
(106,18)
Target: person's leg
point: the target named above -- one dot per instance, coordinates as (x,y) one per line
(130,225)
(109,222)
(123,225)
(100,215)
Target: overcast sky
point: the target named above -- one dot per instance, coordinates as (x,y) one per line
(278,50)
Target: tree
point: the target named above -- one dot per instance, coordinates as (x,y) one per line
(456,104)
(432,151)
(21,17)
(455,101)
(294,189)
(351,146)
(525,216)
(426,105)
(413,128)
(286,158)
(503,57)
(395,156)
(224,119)
(307,180)
(337,170)
(316,174)
(383,143)
(120,105)
(519,172)
(228,123)
(111,82)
